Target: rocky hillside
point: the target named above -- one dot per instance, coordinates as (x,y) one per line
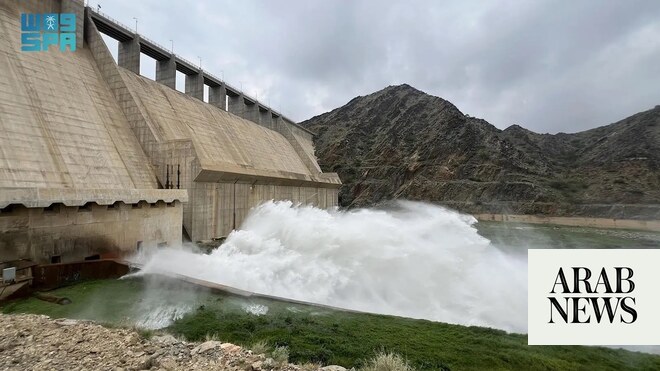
(402,143)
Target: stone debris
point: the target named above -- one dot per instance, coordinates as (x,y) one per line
(34,342)
(205,347)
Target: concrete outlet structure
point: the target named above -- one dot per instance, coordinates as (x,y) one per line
(97,160)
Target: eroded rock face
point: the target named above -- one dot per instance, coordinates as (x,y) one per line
(402,143)
(29,342)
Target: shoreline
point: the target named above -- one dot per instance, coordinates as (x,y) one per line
(607,223)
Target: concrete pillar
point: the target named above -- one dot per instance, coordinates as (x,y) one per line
(266,118)
(252,112)
(166,72)
(76,7)
(237,105)
(277,125)
(129,54)
(195,85)
(217,96)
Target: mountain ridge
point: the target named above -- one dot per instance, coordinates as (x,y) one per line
(400,142)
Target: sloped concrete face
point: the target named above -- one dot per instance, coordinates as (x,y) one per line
(78,8)
(60,126)
(225,161)
(219,137)
(64,140)
(76,127)
(229,164)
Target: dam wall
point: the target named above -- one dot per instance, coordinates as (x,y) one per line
(61,126)
(71,168)
(98,160)
(228,162)
(60,233)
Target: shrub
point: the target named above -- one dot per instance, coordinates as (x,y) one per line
(211,337)
(387,362)
(310,366)
(260,347)
(281,355)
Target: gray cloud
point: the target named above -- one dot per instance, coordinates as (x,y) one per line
(549,66)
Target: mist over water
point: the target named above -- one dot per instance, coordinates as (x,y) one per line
(414,260)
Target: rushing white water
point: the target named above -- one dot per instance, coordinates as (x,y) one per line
(415,260)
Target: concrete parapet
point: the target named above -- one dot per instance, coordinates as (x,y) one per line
(44,197)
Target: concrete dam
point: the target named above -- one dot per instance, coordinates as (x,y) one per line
(98,161)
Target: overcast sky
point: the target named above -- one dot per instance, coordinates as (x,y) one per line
(549,66)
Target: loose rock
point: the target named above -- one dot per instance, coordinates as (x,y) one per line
(31,342)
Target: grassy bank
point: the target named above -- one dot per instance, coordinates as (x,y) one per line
(322,335)
(348,339)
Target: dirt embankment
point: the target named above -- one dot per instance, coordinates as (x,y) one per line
(33,342)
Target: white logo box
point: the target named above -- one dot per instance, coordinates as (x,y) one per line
(543,269)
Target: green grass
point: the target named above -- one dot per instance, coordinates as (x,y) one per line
(387,362)
(317,335)
(351,339)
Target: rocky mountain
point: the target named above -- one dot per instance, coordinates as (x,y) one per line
(402,143)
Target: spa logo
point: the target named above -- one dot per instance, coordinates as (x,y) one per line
(41,31)
(579,296)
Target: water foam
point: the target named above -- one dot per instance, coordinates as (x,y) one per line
(414,260)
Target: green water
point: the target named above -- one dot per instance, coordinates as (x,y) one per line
(149,302)
(520,237)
